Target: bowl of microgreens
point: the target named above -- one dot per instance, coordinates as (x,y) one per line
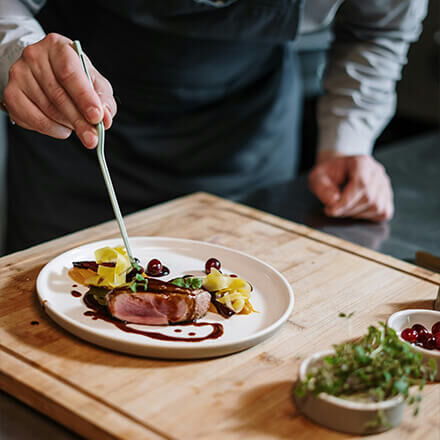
(361,387)
(420,329)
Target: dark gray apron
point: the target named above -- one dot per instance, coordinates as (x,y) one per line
(208,97)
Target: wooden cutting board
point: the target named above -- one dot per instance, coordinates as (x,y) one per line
(105,395)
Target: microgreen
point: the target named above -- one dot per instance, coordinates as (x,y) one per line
(141,282)
(377,367)
(135,264)
(188,282)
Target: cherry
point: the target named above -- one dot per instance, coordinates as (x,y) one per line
(409,335)
(154,267)
(437,340)
(419,328)
(212,263)
(422,332)
(430,342)
(435,328)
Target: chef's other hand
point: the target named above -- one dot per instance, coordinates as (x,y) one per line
(48,91)
(352,186)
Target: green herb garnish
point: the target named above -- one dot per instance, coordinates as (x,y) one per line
(188,282)
(377,367)
(141,282)
(135,265)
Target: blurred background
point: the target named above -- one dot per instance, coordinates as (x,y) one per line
(418,111)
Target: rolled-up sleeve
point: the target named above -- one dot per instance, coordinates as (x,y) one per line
(18,29)
(365,61)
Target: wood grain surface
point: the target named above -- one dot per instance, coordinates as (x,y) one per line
(105,395)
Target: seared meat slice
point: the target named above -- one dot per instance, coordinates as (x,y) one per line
(162,304)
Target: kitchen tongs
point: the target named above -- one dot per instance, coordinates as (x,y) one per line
(104,169)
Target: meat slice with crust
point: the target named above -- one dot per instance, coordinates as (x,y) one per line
(163,303)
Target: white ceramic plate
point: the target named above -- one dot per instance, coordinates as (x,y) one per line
(272,297)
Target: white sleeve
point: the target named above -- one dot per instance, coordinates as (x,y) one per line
(18,29)
(369,50)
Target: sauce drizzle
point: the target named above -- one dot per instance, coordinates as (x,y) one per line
(76,294)
(97,311)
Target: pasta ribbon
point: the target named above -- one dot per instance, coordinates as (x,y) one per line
(110,276)
(233,292)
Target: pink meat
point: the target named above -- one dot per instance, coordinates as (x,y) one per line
(153,308)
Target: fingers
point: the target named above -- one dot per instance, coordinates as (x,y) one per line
(321,184)
(49,80)
(350,198)
(367,193)
(69,72)
(64,104)
(32,118)
(32,90)
(104,91)
(381,209)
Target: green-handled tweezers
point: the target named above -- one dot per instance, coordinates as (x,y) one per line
(104,169)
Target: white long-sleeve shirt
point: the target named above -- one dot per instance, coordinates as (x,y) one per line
(365,61)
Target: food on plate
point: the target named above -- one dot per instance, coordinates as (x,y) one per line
(212,263)
(111,268)
(135,296)
(155,268)
(419,335)
(162,304)
(230,294)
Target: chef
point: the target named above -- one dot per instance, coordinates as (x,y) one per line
(199,95)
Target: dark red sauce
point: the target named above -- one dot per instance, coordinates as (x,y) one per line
(191,334)
(34,323)
(101,312)
(233,275)
(75,293)
(74,285)
(178,330)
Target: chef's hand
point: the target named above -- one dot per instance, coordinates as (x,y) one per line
(48,91)
(352,186)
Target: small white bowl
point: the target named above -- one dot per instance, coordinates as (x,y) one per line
(342,414)
(407,318)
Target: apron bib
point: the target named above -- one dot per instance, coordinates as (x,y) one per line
(208,100)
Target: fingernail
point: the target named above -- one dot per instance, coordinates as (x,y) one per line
(90,138)
(64,132)
(93,114)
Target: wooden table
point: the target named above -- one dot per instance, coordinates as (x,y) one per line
(105,395)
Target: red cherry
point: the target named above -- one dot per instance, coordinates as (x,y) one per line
(430,342)
(409,335)
(419,328)
(154,267)
(435,328)
(212,263)
(437,340)
(422,332)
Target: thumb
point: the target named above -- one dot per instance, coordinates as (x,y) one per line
(324,188)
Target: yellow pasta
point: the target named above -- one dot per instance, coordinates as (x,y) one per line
(110,276)
(234,292)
